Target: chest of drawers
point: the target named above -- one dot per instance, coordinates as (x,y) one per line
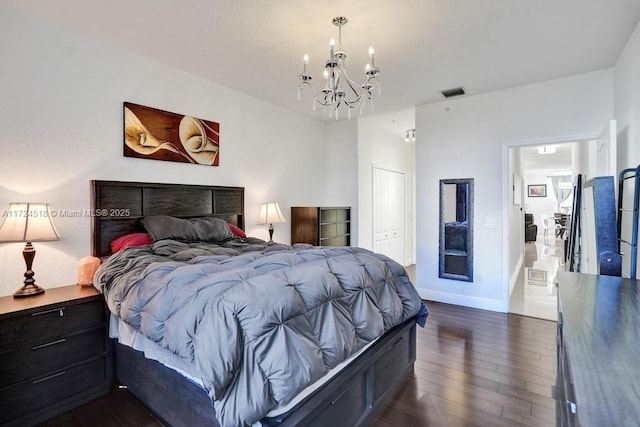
(598,334)
(54,353)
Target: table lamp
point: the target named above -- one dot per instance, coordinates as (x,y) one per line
(28,222)
(270,213)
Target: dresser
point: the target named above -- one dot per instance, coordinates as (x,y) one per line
(598,350)
(54,353)
(321,226)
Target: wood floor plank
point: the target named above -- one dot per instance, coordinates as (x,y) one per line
(535,398)
(128,410)
(68,419)
(96,413)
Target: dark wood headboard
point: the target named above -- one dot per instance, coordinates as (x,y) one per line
(118,206)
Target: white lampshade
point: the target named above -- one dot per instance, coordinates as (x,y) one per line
(270,213)
(28,222)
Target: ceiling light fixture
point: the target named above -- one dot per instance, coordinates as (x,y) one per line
(410,136)
(547,149)
(339,90)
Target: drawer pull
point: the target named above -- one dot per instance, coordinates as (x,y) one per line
(61,310)
(37,347)
(333,402)
(57,374)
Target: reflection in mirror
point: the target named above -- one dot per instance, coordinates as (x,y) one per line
(456,229)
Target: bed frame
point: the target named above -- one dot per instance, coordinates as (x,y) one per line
(352,398)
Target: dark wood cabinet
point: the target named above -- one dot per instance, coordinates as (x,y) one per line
(321,226)
(54,353)
(597,349)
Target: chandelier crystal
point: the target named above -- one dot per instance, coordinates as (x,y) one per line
(339,90)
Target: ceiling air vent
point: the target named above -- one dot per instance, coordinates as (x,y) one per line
(456,91)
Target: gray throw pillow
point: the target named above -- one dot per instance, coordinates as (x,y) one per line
(201,229)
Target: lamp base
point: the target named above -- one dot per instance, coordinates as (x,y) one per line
(28,291)
(270,233)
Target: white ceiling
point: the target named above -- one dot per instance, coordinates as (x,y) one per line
(560,161)
(422,46)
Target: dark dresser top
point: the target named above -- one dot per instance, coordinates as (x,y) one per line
(10,305)
(601,336)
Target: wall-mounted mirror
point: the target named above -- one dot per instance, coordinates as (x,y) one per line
(456,229)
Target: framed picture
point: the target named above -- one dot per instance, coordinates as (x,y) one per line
(537,190)
(155,134)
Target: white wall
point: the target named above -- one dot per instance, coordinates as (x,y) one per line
(627,113)
(377,146)
(465,138)
(342,169)
(627,102)
(61,109)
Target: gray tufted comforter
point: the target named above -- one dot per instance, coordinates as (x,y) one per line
(259,322)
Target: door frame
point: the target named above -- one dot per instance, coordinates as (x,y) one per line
(506,145)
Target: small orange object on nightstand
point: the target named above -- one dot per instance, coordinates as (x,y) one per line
(87,266)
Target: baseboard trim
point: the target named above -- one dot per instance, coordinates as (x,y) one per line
(463,300)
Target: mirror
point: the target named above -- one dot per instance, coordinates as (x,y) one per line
(456,229)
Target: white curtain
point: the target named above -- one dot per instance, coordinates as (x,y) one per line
(561,194)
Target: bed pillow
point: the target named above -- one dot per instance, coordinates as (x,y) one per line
(202,229)
(128,240)
(237,231)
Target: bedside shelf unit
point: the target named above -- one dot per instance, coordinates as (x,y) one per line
(321,226)
(54,353)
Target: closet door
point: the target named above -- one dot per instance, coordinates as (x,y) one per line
(389,213)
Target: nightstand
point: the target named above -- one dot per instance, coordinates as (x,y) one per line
(55,353)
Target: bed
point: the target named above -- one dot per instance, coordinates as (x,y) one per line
(348,392)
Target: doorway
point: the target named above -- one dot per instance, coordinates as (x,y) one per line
(519,264)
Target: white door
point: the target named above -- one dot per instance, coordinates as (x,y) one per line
(389,213)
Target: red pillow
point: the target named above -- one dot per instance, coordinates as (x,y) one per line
(237,231)
(128,240)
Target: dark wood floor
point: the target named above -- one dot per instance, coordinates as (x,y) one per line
(478,368)
(473,368)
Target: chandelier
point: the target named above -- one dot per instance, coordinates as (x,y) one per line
(339,89)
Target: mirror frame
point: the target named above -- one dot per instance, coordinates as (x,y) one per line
(441,273)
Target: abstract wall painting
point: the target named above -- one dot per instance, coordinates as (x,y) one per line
(150,133)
